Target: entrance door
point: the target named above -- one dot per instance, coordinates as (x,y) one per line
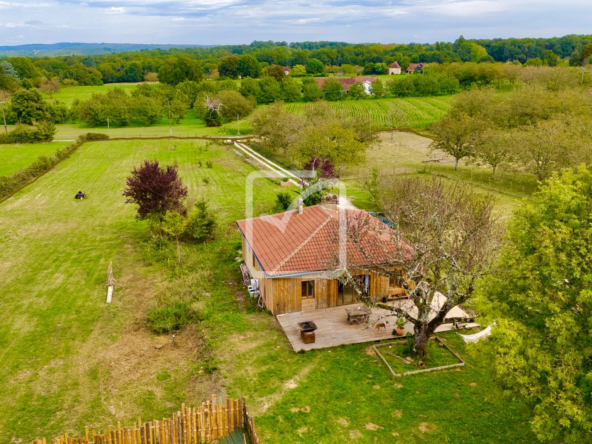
(347,294)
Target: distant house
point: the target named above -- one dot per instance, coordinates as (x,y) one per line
(394,69)
(286,70)
(414,68)
(347,83)
(293,258)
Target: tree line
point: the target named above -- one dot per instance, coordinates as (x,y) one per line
(176,65)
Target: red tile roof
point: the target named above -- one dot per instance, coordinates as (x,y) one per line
(289,243)
(414,66)
(395,65)
(346,83)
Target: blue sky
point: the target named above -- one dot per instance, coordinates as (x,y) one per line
(242,21)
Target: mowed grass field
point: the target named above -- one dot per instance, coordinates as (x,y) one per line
(189,126)
(68,94)
(66,358)
(19,156)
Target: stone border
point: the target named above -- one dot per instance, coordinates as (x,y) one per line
(445,367)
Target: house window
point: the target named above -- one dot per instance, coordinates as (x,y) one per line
(308,289)
(255,263)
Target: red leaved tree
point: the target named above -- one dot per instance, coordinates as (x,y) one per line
(325,168)
(155,190)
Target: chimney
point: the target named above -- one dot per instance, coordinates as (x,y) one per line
(300,206)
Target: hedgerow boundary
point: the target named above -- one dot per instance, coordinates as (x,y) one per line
(10,185)
(210,421)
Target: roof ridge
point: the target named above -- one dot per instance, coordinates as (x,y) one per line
(291,255)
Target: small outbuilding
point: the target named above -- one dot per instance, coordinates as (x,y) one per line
(394,69)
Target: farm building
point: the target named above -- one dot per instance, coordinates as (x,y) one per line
(414,68)
(348,83)
(296,258)
(394,69)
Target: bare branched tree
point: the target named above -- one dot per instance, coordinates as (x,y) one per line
(214,104)
(443,241)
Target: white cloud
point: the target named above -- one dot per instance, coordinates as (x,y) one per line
(242,21)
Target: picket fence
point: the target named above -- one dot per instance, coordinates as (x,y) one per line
(191,425)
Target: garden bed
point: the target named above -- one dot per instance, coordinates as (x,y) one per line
(398,357)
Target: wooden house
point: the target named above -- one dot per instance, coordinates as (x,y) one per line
(298,258)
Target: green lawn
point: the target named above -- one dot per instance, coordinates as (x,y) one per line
(68,360)
(347,395)
(68,94)
(189,126)
(17,157)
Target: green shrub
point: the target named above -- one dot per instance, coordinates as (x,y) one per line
(42,132)
(201,222)
(283,201)
(11,184)
(96,136)
(164,320)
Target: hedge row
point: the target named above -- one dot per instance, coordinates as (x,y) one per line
(42,132)
(11,184)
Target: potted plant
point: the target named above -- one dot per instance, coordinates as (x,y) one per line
(285,182)
(400,326)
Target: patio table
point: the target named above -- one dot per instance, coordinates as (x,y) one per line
(358,314)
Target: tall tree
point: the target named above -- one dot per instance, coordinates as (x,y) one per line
(28,106)
(542,301)
(155,190)
(291,90)
(50,86)
(229,67)
(269,90)
(277,127)
(276,71)
(177,70)
(333,90)
(445,240)
(314,66)
(249,66)
(331,141)
(456,136)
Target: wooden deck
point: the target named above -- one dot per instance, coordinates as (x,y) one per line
(333,328)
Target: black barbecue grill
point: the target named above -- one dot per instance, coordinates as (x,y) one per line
(307,329)
(307,326)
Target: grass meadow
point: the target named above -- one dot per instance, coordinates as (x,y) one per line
(68,360)
(406,153)
(19,156)
(68,94)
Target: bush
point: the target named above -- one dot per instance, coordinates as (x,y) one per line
(42,132)
(96,136)
(201,222)
(212,118)
(11,184)
(282,201)
(164,320)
